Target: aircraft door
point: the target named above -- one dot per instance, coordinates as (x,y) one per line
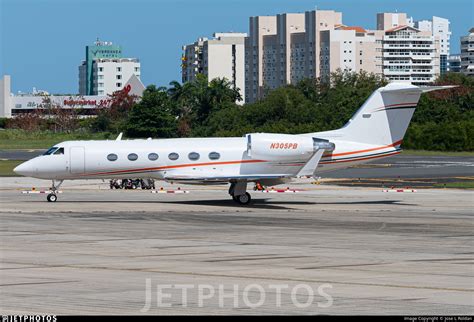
(77,160)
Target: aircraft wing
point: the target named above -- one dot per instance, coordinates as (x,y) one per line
(223,179)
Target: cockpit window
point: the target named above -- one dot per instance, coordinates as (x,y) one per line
(59,151)
(50,150)
(54,150)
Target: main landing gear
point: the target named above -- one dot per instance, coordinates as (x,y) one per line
(238,192)
(52,197)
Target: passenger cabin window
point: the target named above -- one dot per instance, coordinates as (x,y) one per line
(214,156)
(59,151)
(132,157)
(153,156)
(193,156)
(112,157)
(173,156)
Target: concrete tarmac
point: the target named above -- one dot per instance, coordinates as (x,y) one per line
(356,250)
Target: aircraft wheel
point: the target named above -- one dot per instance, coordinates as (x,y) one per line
(243,199)
(52,197)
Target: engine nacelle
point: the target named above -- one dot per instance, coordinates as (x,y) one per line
(279,146)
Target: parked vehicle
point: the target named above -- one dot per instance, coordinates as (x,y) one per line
(147,184)
(130,183)
(115,183)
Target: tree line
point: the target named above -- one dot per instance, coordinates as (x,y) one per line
(443,120)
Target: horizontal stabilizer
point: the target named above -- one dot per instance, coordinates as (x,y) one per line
(426,89)
(404,88)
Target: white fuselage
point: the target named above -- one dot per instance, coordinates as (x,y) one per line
(218,159)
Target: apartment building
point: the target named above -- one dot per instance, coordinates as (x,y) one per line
(191,60)
(220,57)
(467,53)
(289,47)
(317,21)
(284,49)
(259,27)
(454,64)
(350,49)
(279,49)
(439,27)
(409,54)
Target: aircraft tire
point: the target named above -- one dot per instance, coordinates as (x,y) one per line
(52,197)
(243,199)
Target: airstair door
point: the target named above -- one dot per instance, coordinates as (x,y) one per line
(77,160)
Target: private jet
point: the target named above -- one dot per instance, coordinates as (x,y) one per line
(375,131)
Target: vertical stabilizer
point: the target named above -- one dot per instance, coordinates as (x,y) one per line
(384,117)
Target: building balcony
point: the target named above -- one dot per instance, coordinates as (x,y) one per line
(396,72)
(407,38)
(424,56)
(408,46)
(397,62)
(422,71)
(421,63)
(422,79)
(409,54)
(397,54)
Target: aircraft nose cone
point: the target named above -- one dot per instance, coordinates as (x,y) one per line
(24,169)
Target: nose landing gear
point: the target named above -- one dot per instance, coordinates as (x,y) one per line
(52,197)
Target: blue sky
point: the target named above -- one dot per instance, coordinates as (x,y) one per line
(42,42)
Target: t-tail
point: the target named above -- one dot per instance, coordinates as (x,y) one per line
(384,117)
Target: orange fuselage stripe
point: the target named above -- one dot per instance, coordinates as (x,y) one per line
(360,159)
(366,150)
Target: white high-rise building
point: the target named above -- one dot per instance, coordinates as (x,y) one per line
(439,27)
(220,57)
(409,54)
(104,70)
(467,53)
(110,75)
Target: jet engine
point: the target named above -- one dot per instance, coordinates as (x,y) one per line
(283,146)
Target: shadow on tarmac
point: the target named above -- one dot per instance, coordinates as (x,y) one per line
(270,204)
